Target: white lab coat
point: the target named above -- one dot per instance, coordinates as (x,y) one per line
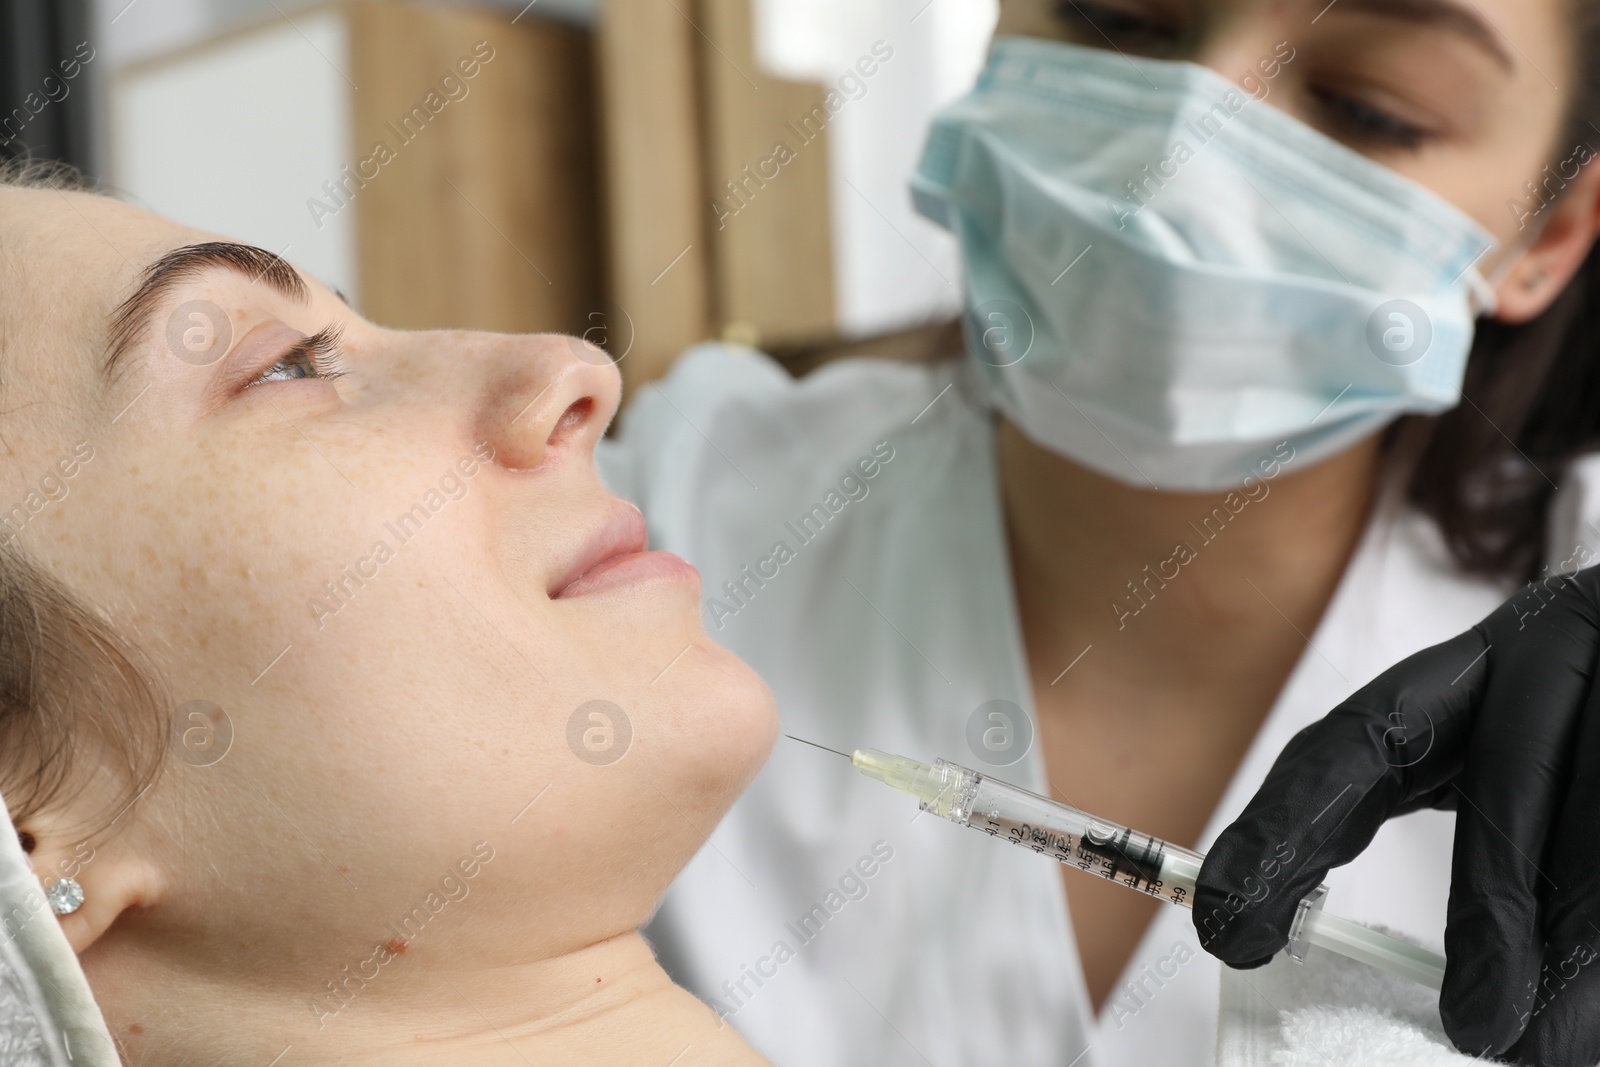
(833,924)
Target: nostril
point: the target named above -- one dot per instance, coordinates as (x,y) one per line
(576,415)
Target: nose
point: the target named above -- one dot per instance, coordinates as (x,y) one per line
(546,394)
(1250,52)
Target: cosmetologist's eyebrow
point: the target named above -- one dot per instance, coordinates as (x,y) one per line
(131,319)
(1446,14)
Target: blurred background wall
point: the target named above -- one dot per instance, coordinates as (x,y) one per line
(646,173)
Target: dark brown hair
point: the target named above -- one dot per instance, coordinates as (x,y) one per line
(1486,470)
(75,699)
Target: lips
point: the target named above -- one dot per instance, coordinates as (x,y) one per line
(622,534)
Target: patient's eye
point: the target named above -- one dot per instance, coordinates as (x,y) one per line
(316,356)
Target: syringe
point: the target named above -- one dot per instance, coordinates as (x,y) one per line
(1121,854)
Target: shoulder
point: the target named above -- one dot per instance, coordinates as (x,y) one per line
(731,414)
(733,386)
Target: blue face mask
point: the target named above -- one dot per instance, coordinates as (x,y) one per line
(1167,278)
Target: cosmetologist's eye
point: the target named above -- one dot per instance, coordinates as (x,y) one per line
(1116,22)
(1364,123)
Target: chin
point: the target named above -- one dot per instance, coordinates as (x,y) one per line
(740,724)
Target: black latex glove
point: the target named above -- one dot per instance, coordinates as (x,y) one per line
(1501,724)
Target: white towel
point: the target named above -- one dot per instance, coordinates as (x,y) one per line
(46,1007)
(1329,1012)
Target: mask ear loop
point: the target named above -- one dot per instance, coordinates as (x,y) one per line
(1483,293)
(1481,289)
(1484,303)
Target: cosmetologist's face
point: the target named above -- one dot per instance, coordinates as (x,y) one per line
(1461,97)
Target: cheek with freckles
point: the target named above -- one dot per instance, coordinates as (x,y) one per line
(375,624)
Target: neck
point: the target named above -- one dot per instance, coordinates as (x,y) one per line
(1190,578)
(609,1005)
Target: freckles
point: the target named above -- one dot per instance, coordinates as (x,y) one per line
(192,580)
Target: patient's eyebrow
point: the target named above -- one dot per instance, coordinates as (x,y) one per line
(131,319)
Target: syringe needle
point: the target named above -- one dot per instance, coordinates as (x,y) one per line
(813,744)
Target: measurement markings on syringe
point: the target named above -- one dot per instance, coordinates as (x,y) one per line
(1115,854)
(1139,865)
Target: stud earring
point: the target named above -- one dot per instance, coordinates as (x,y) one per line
(65,896)
(1534,279)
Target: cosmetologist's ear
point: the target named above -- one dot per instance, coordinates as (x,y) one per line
(1540,273)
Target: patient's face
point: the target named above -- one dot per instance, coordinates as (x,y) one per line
(372,577)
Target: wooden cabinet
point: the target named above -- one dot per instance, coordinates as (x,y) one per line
(706,157)
(438,164)
(646,182)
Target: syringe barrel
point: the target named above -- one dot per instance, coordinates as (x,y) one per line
(1122,854)
(1066,834)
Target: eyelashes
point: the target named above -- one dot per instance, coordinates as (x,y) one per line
(319,356)
(1370,123)
(325,350)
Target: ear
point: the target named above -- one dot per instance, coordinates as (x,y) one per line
(113,878)
(1540,273)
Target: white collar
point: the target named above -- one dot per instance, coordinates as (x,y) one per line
(46,1006)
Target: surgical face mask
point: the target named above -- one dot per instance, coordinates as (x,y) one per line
(1167,278)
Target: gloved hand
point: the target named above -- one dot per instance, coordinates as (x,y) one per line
(1501,724)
